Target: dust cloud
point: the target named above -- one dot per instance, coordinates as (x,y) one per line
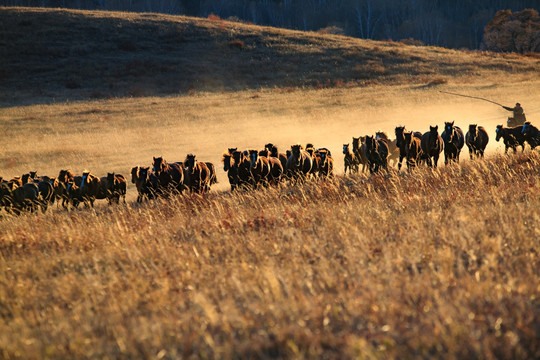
(121,133)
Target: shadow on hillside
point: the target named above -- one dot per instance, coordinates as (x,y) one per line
(51,55)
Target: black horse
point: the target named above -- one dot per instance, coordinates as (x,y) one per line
(453,142)
(531,134)
(432,145)
(376,154)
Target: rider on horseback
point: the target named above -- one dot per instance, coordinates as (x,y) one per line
(519,115)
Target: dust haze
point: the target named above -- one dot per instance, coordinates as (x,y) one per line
(116,135)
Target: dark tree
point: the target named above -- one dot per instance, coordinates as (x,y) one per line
(513,32)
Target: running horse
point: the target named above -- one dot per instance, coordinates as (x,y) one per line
(230,169)
(326,166)
(259,167)
(299,163)
(242,166)
(432,146)
(359,149)
(531,134)
(350,160)
(276,168)
(376,154)
(198,175)
(413,148)
(512,137)
(400,143)
(170,176)
(453,142)
(476,139)
(393,151)
(274,152)
(116,188)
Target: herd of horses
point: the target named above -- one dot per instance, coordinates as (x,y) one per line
(252,169)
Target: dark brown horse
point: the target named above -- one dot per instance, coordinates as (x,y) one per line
(476,139)
(454,140)
(400,143)
(260,169)
(232,171)
(65,176)
(276,168)
(512,137)
(531,134)
(351,160)
(89,187)
(316,161)
(432,146)
(393,150)
(6,195)
(376,154)
(359,149)
(242,168)
(274,152)
(136,179)
(326,166)
(26,198)
(170,176)
(198,175)
(212,172)
(116,188)
(46,193)
(413,146)
(299,164)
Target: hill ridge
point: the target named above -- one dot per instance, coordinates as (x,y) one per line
(59,55)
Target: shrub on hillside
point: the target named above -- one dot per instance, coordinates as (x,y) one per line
(513,32)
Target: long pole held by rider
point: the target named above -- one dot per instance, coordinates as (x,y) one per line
(519,115)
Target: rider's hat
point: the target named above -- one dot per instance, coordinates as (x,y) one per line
(518,104)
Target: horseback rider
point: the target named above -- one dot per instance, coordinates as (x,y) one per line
(519,115)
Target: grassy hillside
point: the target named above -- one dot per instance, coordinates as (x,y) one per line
(56,55)
(386,267)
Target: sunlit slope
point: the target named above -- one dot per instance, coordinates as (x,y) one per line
(55,55)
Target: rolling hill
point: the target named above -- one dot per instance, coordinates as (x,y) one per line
(52,55)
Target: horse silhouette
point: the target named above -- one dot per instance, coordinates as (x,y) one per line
(531,134)
(260,169)
(350,160)
(116,188)
(476,139)
(432,146)
(453,142)
(299,164)
(170,176)
(376,154)
(512,137)
(400,143)
(198,175)
(393,151)
(413,149)
(326,166)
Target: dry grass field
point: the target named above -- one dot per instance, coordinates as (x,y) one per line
(434,264)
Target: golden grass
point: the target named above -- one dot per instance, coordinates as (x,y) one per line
(385,266)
